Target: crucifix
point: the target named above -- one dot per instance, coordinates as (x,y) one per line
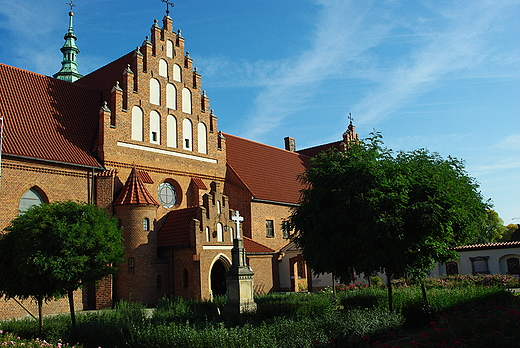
(237,219)
(168,4)
(70,4)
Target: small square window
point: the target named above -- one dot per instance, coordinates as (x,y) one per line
(154,137)
(479,264)
(269,228)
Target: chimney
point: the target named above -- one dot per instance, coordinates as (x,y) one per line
(290,144)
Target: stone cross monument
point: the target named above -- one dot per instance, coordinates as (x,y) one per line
(239,278)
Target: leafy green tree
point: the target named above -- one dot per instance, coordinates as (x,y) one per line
(511,233)
(55,248)
(370,210)
(492,230)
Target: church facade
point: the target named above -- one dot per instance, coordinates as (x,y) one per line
(137,138)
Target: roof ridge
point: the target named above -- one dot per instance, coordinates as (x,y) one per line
(266,145)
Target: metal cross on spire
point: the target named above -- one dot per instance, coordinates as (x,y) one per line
(70,4)
(350,117)
(168,4)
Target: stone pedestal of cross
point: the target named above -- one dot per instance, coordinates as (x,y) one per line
(239,278)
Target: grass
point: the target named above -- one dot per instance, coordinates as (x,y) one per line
(466,316)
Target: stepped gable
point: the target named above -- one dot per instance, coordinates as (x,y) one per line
(176,229)
(47,118)
(268,172)
(134,191)
(253,247)
(105,78)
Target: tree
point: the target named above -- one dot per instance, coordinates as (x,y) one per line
(370,210)
(510,233)
(53,249)
(492,230)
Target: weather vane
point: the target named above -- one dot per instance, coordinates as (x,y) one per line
(70,4)
(168,4)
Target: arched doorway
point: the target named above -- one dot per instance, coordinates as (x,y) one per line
(218,280)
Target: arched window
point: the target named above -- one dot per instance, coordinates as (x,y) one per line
(169,49)
(137,123)
(208,235)
(231,233)
(131,264)
(171,97)
(513,265)
(29,199)
(155,127)
(171,131)
(219,208)
(163,68)
(146,224)
(452,268)
(220,232)
(201,138)
(155,92)
(187,135)
(177,73)
(186,100)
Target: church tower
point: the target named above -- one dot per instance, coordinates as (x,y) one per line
(69,66)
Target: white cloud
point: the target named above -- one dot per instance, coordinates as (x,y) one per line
(510,142)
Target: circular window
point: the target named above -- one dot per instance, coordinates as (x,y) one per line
(167,195)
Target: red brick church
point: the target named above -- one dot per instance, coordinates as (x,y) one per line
(138,138)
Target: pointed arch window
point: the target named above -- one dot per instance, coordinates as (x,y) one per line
(177,73)
(29,199)
(201,138)
(220,232)
(187,134)
(186,101)
(155,127)
(208,235)
(171,96)
(169,49)
(163,68)
(137,123)
(171,131)
(155,92)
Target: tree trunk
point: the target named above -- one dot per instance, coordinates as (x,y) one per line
(72,312)
(423,290)
(390,297)
(40,315)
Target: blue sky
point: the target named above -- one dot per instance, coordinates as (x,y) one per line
(436,74)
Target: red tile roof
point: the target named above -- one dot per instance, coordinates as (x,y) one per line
(176,229)
(147,179)
(199,183)
(253,247)
(268,172)
(501,245)
(134,191)
(313,151)
(47,118)
(105,78)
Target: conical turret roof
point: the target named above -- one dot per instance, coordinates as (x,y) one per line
(135,192)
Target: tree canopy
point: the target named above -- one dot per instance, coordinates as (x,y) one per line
(53,249)
(371,210)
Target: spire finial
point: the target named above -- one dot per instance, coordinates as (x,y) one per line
(168,4)
(69,66)
(70,4)
(350,117)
